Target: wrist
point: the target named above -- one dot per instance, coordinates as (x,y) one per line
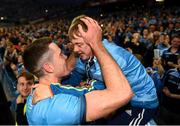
(96,45)
(171,95)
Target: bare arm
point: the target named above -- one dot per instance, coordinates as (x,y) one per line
(169,94)
(118,91)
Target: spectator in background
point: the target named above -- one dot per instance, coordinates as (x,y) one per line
(170,28)
(156,72)
(170,111)
(2,47)
(135,46)
(170,55)
(25,81)
(18,67)
(163,43)
(23,46)
(146,38)
(10,52)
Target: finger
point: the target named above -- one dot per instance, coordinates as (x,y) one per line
(89,22)
(96,22)
(86,21)
(89,19)
(80,30)
(92,21)
(75,35)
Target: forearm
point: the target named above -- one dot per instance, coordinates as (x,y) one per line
(113,76)
(175,96)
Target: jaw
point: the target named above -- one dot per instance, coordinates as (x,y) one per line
(84,57)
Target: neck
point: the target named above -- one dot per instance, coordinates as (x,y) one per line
(24,97)
(47,80)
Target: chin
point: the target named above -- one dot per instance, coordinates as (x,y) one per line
(84,57)
(25,95)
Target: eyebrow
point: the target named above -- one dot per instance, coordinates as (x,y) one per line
(78,43)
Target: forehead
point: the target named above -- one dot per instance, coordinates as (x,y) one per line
(78,40)
(145,30)
(22,79)
(176,39)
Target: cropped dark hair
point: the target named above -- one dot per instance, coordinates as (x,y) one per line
(33,54)
(175,35)
(26,75)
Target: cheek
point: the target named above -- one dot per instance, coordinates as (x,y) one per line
(29,87)
(19,88)
(87,49)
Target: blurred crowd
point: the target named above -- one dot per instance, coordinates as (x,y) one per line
(152,35)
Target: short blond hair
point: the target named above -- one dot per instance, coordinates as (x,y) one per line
(73,29)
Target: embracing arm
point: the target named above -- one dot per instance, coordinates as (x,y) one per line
(118,92)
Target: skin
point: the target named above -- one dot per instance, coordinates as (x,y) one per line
(82,48)
(24,87)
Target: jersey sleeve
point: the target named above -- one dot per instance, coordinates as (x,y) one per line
(77,91)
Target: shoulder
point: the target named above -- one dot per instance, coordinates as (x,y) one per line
(71,107)
(50,110)
(171,71)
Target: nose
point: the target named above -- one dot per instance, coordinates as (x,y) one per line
(25,86)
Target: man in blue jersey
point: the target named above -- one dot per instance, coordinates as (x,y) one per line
(144,103)
(46,107)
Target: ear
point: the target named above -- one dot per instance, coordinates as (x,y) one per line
(48,67)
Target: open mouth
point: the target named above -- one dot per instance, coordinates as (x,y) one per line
(81,55)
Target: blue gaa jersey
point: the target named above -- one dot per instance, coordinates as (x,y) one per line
(77,91)
(64,108)
(145,95)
